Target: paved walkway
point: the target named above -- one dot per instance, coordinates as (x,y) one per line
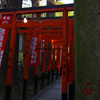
(53,92)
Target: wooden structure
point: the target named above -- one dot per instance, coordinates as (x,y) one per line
(48,29)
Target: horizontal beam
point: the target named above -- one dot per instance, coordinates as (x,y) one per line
(49,36)
(42,31)
(71,23)
(38,24)
(6,25)
(22,31)
(70,8)
(7,13)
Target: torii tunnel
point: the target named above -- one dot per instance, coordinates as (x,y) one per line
(54,31)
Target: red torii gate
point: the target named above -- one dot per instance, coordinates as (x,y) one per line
(52,36)
(15,24)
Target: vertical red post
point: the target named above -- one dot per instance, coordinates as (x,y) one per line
(53,64)
(44,64)
(57,61)
(26,63)
(64,54)
(37,64)
(70,63)
(56,51)
(61,62)
(59,57)
(11,58)
(49,67)
(38,16)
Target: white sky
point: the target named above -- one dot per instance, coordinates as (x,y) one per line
(43,2)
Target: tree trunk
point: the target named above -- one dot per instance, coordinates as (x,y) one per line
(35,3)
(14,4)
(50,3)
(87,50)
(57,1)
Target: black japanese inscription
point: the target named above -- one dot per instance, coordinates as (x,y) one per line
(70,67)
(70,52)
(64,50)
(70,56)
(70,41)
(9,66)
(70,71)
(10,58)
(64,45)
(10,50)
(63,58)
(64,36)
(71,45)
(26,52)
(70,48)
(64,41)
(37,48)
(64,66)
(64,73)
(71,63)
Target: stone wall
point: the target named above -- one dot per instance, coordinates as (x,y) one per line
(87,49)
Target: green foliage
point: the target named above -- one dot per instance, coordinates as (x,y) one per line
(60,14)
(60,3)
(39,90)
(43,14)
(27,15)
(71,13)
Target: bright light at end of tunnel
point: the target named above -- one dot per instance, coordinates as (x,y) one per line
(25,19)
(52,41)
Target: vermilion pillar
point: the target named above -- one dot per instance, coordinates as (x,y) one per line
(27,57)
(11,58)
(37,64)
(70,62)
(64,54)
(49,67)
(59,57)
(53,64)
(57,61)
(61,62)
(44,64)
(38,16)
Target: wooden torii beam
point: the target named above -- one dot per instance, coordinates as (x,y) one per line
(44,23)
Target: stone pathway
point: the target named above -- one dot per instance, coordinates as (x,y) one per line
(53,92)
